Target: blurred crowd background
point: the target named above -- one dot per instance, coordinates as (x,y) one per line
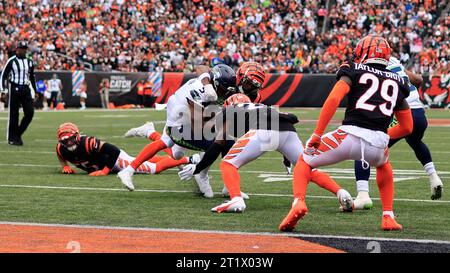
(286,36)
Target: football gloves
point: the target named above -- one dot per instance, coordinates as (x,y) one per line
(312,144)
(187,172)
(67,170)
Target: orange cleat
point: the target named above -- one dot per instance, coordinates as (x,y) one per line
(388,223)
(296,213)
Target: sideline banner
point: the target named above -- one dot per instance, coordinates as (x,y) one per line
(288,90)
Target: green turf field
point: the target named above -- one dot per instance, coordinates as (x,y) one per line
(33,190)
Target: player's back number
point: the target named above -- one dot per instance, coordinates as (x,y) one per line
(375,87)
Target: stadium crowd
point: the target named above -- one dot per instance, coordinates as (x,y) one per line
(284,35)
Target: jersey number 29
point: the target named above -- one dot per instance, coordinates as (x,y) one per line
(375,87)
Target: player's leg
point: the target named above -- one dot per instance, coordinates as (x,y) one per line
(148,131)
(151,149)
(145,154)
(291,147)
(423,153)
(246,149)
(335,147)
(362,175)
(385,182)
(123,162)
(168,162)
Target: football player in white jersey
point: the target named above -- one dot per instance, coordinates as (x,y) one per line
(414,140)
(208,88)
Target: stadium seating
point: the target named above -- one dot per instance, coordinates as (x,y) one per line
(170,35)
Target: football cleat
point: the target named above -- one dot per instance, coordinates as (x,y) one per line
(297,212)
(345,200)
(363,201)
(141,131)
(125,177)
(226,194)
(236,205)
(436,187)
(388,223)
(287,164)
(202,180)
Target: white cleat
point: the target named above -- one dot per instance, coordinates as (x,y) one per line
(236,204)
(202,180)
(346,201)
(141,131)
(363,201)
(125,177)
(436,186)
(226,194)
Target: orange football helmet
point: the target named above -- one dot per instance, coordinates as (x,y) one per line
(236,99)
(68,135)
(372,49)
(250,78)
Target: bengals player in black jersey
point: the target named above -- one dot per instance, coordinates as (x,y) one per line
(99,158)
(374,95)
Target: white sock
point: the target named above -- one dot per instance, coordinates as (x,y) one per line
(429,168)
(2,106)
(362,185)
(130,169)
(83,104)
(389,212)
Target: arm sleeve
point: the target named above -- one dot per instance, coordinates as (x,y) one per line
(404,126)
(5,74)
(210,156)
(109,153)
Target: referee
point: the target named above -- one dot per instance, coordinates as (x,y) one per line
(19,73)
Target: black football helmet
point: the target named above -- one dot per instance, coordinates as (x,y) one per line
(223,80)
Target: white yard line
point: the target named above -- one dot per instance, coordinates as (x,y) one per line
(185,191)
(194,231)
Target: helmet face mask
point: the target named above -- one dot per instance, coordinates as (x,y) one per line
(247,86)
(70,141)
(250,78)
(68,136)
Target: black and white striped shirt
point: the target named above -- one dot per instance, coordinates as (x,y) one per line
(17,71)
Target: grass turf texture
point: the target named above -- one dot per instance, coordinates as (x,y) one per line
(35,164)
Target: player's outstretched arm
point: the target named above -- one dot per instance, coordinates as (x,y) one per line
(340,89)
(405,122)
(64,165)
(209,157)
(414,78)
(109,153)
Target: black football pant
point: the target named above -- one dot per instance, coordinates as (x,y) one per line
(19,96)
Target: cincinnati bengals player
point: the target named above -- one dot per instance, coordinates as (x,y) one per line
(414,140)
(259,128)
(250,78)
(374,94)
(99,158)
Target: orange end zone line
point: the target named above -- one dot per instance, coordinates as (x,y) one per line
(59,239)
